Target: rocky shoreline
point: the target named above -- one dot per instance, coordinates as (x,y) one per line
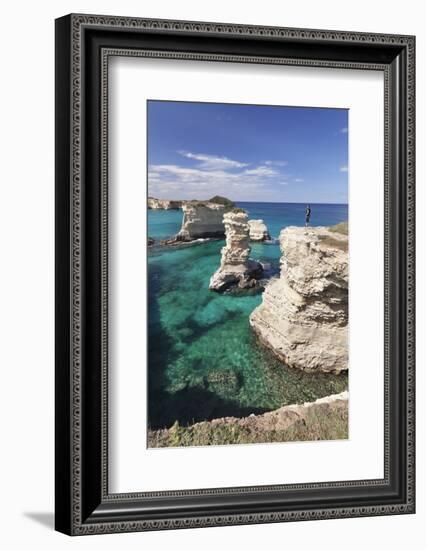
(303,317)
(324,419)
(202,220)
(164,204)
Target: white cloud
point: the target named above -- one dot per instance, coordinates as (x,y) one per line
(211,162)
(276,162)
(344,168)
(172,181)
(213,175)
(344,130)
(261,171)
(299,180)
(170,173)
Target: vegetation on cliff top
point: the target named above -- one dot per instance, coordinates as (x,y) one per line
(325,425)
(217,199)
(341,228)
(237,210)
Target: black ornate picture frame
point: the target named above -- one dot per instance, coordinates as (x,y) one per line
(84,43)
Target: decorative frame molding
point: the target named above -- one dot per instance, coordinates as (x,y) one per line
(84,43)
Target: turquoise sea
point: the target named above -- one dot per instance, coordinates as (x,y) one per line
(203,360)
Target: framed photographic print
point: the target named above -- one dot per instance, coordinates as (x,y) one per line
(234,274)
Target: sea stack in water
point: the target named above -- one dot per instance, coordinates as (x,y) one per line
(303,317)
(236,268)
(258,231)
(204,219)
(163,204)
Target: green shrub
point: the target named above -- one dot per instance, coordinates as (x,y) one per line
(217,199)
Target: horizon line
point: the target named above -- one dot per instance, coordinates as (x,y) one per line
(292,202)
(256,202)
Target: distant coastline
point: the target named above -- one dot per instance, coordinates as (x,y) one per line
(237,201)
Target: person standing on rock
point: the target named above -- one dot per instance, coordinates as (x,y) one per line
(307,215)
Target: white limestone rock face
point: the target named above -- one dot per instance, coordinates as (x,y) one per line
(163,204)
(236,268)
(258,231)
(202,220)
(303,317)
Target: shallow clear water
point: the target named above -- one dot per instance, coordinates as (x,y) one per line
(204,361)
(278,215)
(164,223)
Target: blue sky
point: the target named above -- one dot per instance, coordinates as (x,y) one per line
(247,152)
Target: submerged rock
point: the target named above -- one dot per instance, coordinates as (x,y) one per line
(258,231)
(236,268)
(176,242)
(303,317)
(223,382)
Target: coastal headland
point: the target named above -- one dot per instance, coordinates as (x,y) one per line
(302,318)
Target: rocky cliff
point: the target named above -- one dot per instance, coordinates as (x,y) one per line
(164,204)
(303,317)
(203,219)
(258,231)
(236,268)
(323,419)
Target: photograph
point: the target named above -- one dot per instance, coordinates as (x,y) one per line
(234,261)
(248,273)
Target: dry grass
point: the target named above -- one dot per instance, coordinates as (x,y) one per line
(330,424)
(341,228)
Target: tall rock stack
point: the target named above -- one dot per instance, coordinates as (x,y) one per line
(236,268)
(303,317)
(203,219)
(258,231)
